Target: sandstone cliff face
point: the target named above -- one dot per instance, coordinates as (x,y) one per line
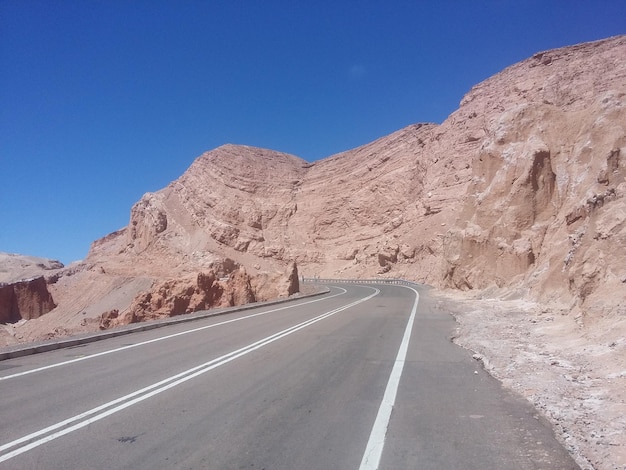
(233,202)
(23,291)
(24,300)
(521,188)
(224,285)
(183,295)
(359,213)
(545,206)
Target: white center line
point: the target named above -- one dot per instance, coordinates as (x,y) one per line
(376,443)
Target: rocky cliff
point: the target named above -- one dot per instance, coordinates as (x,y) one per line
(521,189)
(24,300)
(545,207)
(24,292)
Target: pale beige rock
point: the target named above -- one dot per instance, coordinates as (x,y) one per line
(14,267)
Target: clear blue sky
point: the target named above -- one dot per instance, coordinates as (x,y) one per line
(102,101)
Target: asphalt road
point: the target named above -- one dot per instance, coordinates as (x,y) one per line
(364,377)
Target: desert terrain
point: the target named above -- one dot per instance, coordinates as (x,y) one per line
(513,208)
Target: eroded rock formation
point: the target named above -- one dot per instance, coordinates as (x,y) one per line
(24,300)
(522,188)
(545,206)
(203,291)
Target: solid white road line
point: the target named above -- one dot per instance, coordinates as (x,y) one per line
(376,443)
(156,388)
(161,338)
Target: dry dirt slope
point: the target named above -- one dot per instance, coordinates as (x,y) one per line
(519,194)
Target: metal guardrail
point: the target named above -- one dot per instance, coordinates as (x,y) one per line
(403,282)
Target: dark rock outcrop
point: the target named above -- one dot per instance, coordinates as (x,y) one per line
(24,300)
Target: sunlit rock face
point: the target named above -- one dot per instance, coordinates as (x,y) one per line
(521,188)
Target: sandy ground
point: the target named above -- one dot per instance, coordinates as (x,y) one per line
(573,372)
